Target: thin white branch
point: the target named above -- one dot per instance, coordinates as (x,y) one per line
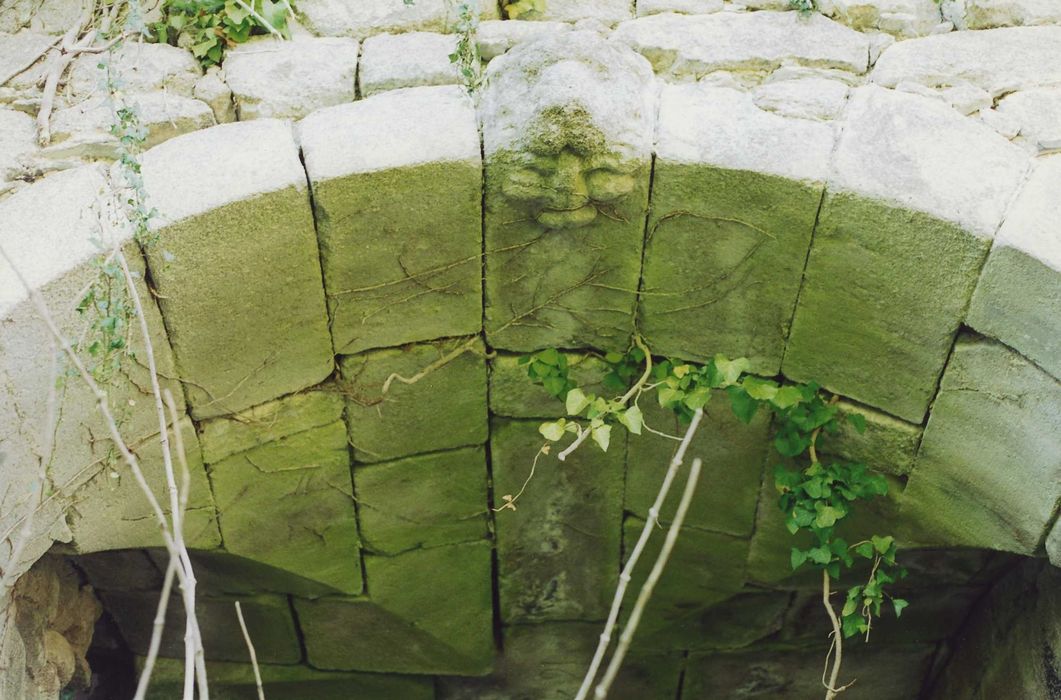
(583,433)
(250,650)
(156,632)
(261,20)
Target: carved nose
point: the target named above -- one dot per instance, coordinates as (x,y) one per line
(569,183)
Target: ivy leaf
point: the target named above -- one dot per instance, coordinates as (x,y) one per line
(797,558)
(744,406)
(827,516)
(727,372)
(552,431)
(602,436)
(790,443)
(820,555)
(697,398)
(865,549)
(576,402)
(760,389)
(882,544)
(857,421)
(787,397)
(632,419)
(555,385)
(899,604)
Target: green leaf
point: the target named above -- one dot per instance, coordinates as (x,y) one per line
(797,558)
(857,421)
(787,397)
(744,406)
(552,431)
(827,516)
(576,402)
(668,396)
(632,419)
(549,356)
(882,544)
(899,604)
(727,372)
(820,555)
(697,398)
(555,385)
(602,436)
(760,389)
(865,550)
(790,443)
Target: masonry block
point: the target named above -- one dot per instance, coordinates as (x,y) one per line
(236,265)
(735,197)
(404,627)
(999,487)
(398,201)
(413,59)
(559,550)
(303,483)
(514,394)
(423,501)
(887,445)
(446,408)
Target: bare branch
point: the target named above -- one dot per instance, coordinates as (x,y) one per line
(250,650)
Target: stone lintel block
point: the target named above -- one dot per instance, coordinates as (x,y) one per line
(403,628)
(558,552)
(303,481)
(443,410)
(399,215)
(887,445)
(730,225)
(988,473)
(233,211)
(110,511)
(423,501)
(687,47)
(392,61)
(514,395)
(1018,299)
(268,618)
(733,455)
(367,17)
(270,421)
(705,569)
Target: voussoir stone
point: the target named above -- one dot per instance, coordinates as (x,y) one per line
(688,47)
(398,200)
(904,18)
(916,194)
(803,98)
(391,61)
(995,488)
(1038,112)
(290,79)
(997,60)
(233,208)
(363,18)
(1018,298)
(495,37)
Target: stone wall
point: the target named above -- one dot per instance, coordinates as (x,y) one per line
(876,215)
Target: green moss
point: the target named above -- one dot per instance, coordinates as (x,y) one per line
(513,394)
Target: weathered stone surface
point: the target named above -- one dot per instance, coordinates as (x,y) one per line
(303,482)
(17,140)
(404,629)
(444,409)
(423,501)
(270,421)
(140,68)
(984,14)
(121,570)
(20,49)
(994,488)
(607,11)
(729,229)
(887,445)
(1039,114)
(513,394)
(568,124)
(686,48)
(548,661)
(242,333)
(268,619)
(46,17)
(367,17)
(214,91)
(391,61)
(495,37)
(109,511)
(399,214)
(903,18)
(876,256)
(1018,297)
(1053,544)
(692,7)
(733,455)
(559,550)
(805,98)
(290,79)
(997,60)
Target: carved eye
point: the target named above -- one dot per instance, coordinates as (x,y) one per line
(605,185)
(525,183)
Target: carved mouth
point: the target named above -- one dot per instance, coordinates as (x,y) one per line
(567,218)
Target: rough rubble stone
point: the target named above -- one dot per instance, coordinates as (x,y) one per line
(692,7)
(997,60)
(568,125)
(1019,293)
(735,196)
(410,417)
(686,48)
(403,628)
(303,482)
(609,12)
(559,550)
(140,67)
(514,395)
(903,18)
(45,17)
(18,139)
(916,194)
(733,455)
(984,14)
(367,17)
(20,49)
(215,92)
(806,98)
(495,37)
(1039,114)
(424,501)
(994,488)
(391,61)
(242,333)
(290,79)
(398,200)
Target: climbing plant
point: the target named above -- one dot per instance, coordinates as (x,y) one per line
(210,27)
(815,494)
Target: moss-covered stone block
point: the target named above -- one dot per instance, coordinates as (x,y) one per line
(398,200)
(513,394)
(423,501)
(303,483)
(124,569)
(704,569)
(733,454)
(268,618)
(885,287)
(236,267)
(888,444)
(558,552)
(111,511)
(446,408)
(429,611)
(996,488)
(270,421)
(222,573)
